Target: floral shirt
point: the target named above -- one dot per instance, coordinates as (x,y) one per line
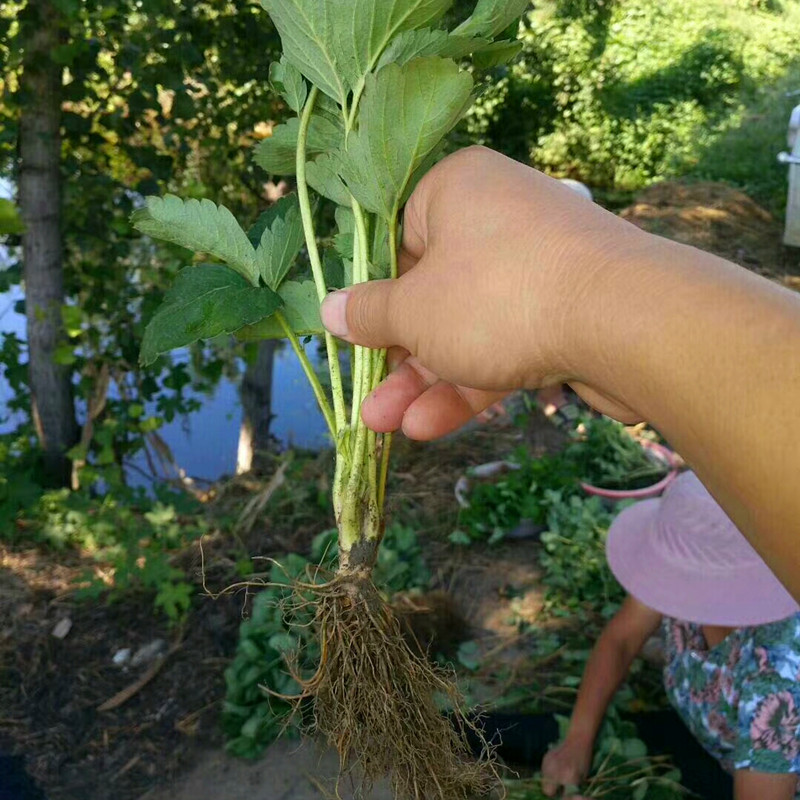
(740,699)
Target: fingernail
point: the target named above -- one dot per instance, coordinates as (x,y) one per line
(334,313)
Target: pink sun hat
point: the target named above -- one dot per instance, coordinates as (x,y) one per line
(682,556)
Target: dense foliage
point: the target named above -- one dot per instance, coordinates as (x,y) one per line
(620,93)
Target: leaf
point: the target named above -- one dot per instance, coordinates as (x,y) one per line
(640,792)
(429,42)
(336,43)
(469,655)
(280,242)
(322,175)
(301,311)
(338,271)
(634,748)
(289,84)
(405,113)
(492,17)
(10,220)
(459,538)
(198,225)
(277,154)
(380,266)
(205,301)
(309,31)
(496,53)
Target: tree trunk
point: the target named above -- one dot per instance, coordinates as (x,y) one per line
(254,438)
(42,247)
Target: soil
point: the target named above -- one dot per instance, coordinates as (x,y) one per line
(720,219)
(164,742)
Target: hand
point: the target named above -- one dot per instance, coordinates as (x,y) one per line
(566,765)
(499,268)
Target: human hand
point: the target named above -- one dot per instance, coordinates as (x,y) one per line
(566,765)
(500,268)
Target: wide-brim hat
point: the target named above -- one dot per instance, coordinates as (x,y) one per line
(682,556)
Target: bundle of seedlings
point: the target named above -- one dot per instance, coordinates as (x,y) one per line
(376,86)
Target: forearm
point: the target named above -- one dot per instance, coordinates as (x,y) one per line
(605,670)
(710,355)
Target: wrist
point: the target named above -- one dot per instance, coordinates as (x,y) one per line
(581,736)
(597,262)
(613,310)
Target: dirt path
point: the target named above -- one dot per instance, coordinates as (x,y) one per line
(288,771)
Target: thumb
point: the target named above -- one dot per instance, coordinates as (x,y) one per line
(365,314)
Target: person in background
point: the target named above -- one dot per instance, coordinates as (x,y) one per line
(732,637)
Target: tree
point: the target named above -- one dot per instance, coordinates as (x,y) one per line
(42,245)
(145,100)
(255,440)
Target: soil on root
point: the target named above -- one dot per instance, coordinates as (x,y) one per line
(378,702)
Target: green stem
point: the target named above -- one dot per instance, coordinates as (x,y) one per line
(385,453)
(311,374)
(386,448)
(362,377)
(316,263)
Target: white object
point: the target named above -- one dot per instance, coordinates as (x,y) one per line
(62,628)
(580,188)
(122,657)
(149,652)
(791,234)
(481,471)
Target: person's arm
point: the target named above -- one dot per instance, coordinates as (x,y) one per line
(749,785)
(510,280)
(709,354)
(621,640)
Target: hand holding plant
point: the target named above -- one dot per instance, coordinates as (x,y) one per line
(566,765)
(503,275)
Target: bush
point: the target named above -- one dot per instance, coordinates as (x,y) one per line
(619,94)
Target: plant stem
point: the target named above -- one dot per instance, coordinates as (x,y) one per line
(386,449)
(361,376)
(316,263)
(311,374)
(385,453)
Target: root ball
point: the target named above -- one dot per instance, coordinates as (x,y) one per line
(381,704)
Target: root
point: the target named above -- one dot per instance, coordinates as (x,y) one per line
(380,704)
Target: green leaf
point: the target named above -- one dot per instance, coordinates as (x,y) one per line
(10,220)
(496,53)
(280,242)
(469,655)
(322,175)
(336,43)
(634,748)
(429,42)
(492,17)
(198,225)
(640,792)
(277,154)
(205,301)
(288,82)
(338,271)
(64,355)
(301,312)
(380,266)
(405,113)
(459,538)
